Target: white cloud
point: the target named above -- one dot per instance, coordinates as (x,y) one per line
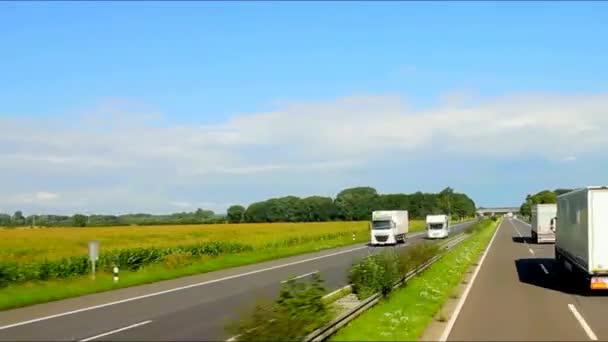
(144,160)
(46,196)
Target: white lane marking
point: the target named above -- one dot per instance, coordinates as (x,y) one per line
(517,230)
(582,322)
(178,289)
(544,268)
(521,236)
(115,331)
(452,321)
(522,221)
(300,276)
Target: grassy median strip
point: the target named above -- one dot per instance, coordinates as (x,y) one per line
(404,315)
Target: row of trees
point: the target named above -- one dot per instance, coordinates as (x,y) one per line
(352,204)
(79,220)
(542,197)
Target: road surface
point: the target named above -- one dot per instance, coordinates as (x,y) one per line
(192,308)
(518,297)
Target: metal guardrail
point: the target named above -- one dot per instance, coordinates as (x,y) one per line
(323,333)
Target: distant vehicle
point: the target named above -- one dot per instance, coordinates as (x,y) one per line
(509,215)
(543,222)
(437,226)
(581,236)
(389,227)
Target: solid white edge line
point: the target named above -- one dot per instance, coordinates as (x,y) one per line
(177,289)
(300,276)
(115,331)
(463,298)
(582,322)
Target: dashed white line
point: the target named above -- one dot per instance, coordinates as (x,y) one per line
(521,236)
(582,322)
(544,268)
(300,276)
(115,331)
(517,230)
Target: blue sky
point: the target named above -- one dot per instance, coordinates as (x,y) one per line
(165,106)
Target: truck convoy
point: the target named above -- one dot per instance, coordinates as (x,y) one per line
(543,222)
(389,227)
(581,243)
(437,226)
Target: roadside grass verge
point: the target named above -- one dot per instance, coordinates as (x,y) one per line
(34,292)
(405,314)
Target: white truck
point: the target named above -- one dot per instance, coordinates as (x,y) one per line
(389,227)
(437,226)
(543,222)
(581,235)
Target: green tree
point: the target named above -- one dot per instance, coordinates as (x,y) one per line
(5,220)
(445,200)
(235,214)
(18,218)
(392,202)
(561,191)
(257,212)
(79,220)
(542,197)
(319,208)
(357,203)
(203,215)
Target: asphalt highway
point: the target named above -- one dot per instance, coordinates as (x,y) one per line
(194,308)
(517,296)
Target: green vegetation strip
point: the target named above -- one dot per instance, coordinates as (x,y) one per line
(173,266)
(405,314)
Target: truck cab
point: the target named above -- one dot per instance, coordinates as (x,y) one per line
(388,227)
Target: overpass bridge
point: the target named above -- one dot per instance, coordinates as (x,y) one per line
(497,211)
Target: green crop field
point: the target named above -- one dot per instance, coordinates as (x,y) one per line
(35,244)
(43,264)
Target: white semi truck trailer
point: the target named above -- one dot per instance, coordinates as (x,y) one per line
(389,227)
(581,235)
(543,222)
(437,226)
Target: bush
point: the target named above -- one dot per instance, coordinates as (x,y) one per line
(379,273)
(366,277)
(298,311)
